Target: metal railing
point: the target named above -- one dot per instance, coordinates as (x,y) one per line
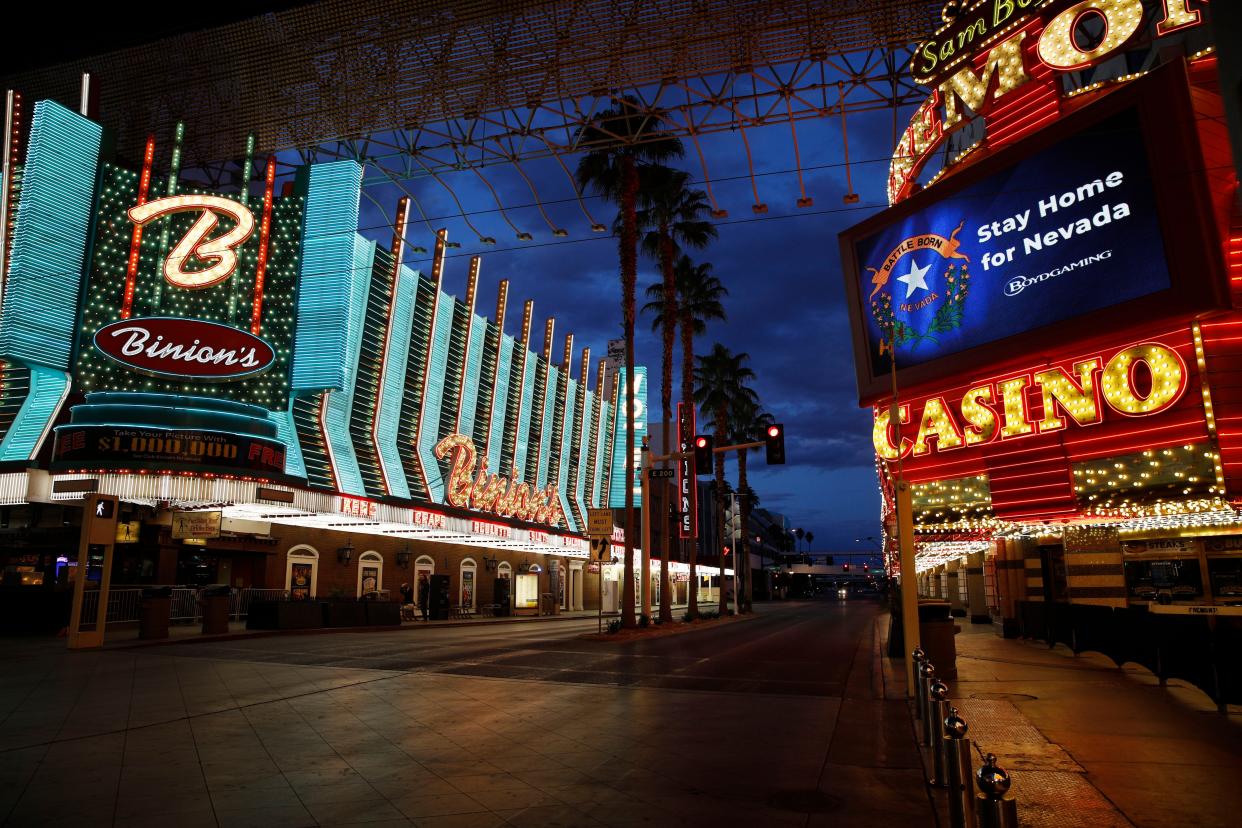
(125,604)
(943,731)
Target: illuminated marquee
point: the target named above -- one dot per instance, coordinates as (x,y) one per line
(220,252)
(996,28)
(471,487)
(1137,381)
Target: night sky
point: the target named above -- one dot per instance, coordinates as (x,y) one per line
(786,305)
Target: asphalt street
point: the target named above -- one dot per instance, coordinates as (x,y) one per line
(782,719)
(805,648)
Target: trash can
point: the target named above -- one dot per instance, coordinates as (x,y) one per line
(156,608)
(214,601)
(936,631)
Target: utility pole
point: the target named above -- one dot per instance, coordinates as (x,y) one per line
(645,505)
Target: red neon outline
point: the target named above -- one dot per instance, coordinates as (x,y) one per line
(398,247)
(265,233)
(135,245)
(687,465)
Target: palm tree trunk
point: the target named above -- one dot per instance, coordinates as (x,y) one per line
(666,401)
(722,428)
(687,402)
(744,546)
(629,281)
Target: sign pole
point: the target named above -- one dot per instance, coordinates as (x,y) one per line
(645,505)
(98,529)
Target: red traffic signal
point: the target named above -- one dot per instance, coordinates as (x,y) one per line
(727,550)
(774,444)
(703,454)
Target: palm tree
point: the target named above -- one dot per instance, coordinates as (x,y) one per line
(619,142)
(671,217)
(750,423)
(798,533)
(721,377)
(699,300)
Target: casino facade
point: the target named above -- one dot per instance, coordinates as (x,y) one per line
(278,402)
(1048,330)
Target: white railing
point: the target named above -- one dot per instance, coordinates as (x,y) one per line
(125,604)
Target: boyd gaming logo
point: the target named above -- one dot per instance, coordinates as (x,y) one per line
(922,309)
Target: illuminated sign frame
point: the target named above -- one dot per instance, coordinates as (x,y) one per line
(1184,210)
(997,31)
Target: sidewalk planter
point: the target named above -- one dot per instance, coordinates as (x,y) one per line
(383,613)
(344,614)
(284,615)
(156,610)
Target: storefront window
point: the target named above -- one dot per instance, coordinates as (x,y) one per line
(1176,580)
(468,569)
(526,596)
(301,573)
(370,573)
(1226,576)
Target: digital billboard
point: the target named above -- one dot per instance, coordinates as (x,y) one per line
(1066,231)
(1086,227)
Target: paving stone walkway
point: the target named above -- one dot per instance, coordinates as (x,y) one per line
(1092,745)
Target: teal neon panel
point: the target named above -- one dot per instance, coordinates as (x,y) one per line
(500,394)
(433,397)
(616,488)
(295,464)
(581,494)
(545,429)
(48,389)
(522,449)
(603,456)
(39,318)
(388,417)
(354,286)
(567,419)
(322,352)
(474,366)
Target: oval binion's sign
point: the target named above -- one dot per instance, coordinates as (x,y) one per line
(184,348)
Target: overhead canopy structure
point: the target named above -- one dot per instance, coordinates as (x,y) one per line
(436,85)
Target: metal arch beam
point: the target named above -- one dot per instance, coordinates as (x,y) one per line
(873,80)
(335,71)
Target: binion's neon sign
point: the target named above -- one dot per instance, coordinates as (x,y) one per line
(1138,381)
(996,30)
(471,487)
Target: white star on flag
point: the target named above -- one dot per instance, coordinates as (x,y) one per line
(916,279)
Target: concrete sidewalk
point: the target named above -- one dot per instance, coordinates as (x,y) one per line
(1089,744)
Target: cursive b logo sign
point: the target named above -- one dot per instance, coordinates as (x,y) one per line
(220,253)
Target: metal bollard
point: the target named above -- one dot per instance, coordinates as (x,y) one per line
(920,703)
(940,706)
(957,757)
(993,806)
(930,726)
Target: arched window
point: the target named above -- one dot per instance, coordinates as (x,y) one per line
(302,572)
(370,573)
(466,590)
(424,567)
(504,571)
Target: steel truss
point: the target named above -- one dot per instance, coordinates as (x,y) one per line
(428,87)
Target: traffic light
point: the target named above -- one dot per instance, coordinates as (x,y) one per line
(845,568)
(774,438)
(727,550)
(702,454)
